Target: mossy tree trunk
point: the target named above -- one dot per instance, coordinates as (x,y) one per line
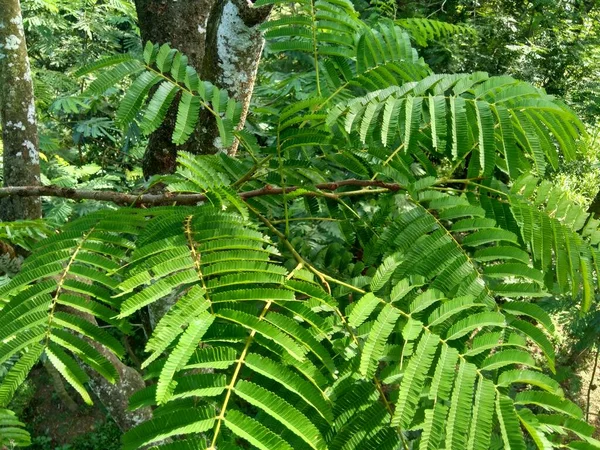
(17,111)
(223,43)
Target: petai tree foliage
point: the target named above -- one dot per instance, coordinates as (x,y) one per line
(363,276)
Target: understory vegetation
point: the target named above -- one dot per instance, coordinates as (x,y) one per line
(394,245)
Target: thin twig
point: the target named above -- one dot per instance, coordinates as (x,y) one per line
(248,175)
(591,385)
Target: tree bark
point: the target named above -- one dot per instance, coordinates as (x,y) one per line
(115,397)
(223,42)
(175,198)
(234,44)
(17,111)
(182,25)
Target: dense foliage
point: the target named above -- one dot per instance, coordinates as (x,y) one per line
(366,273)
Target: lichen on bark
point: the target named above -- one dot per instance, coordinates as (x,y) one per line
(234,44)
(17,114)
(224,43)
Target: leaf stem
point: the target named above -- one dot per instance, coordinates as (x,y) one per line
(61,282)
(234,378)
(248,175)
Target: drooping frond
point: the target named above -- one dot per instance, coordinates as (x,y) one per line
(162,77)
(427,239)
(561,235)
(238,313)
(424,31)
(496,122)
(53,304)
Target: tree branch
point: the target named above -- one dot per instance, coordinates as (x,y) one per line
(171,198)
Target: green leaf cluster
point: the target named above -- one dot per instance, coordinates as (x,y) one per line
(366,278)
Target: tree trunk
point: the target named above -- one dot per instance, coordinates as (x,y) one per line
(115,397)
(182,25)
(594,207)
(223,43)
(17,111)
(234,44)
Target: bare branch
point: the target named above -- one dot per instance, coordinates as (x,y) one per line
(170,198)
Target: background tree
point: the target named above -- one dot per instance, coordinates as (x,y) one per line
(223,43)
